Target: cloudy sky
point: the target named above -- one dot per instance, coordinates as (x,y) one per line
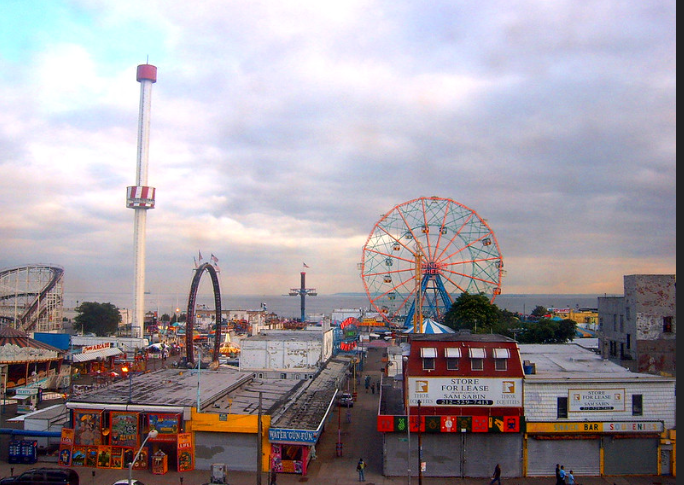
(281,132)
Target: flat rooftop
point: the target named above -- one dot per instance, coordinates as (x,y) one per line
(299,404)
(573,360)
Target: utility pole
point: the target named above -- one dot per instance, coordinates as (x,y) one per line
(420,450)
(259,432)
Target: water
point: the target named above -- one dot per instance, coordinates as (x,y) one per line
(289,306)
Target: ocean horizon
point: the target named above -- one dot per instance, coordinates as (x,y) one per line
(290,306)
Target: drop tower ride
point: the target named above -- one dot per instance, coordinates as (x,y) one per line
(140,197)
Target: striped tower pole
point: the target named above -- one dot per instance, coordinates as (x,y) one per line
(140,197)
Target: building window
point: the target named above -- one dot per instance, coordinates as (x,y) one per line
(453,357)
(562,407)
(429,355)
(477,364)
(629,341)
(622,323)
(637,405)
(501,357)
(667,324)
(477,356)
(283,375)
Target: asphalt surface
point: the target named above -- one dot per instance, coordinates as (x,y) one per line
(360,438)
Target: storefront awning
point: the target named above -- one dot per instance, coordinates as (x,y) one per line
(88,356)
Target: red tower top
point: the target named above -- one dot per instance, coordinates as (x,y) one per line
(147,72)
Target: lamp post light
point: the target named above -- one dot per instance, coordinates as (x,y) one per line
(152,434)
(127,372)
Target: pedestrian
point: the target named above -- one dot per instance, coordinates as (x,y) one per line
(367,382)
(359,468)
(558,476)
(562,474)
(570,478)
(496,476)
(274,478)
(373,388)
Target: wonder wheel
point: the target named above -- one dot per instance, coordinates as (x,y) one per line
(424,253)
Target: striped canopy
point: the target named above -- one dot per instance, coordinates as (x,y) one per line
(430,326)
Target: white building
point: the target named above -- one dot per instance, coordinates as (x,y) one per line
(592,415)
(286,354)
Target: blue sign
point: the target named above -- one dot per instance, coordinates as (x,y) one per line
(292,436)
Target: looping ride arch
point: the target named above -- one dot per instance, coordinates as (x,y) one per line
(190,321)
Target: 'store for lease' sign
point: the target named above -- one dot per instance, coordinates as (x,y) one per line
(581,400)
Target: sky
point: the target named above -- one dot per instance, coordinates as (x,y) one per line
(282,132)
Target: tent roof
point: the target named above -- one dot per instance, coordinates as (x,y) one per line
(430,326)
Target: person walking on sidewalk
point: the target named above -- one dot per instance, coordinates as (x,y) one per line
(360,466)
(570,478)
(496,476)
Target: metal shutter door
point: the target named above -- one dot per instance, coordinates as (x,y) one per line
(484,450)
(630,456)
(237,450)
(583,457)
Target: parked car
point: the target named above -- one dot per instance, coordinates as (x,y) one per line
(125,482)
(44,476)
(346,400)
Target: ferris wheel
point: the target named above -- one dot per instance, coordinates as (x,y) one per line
(429,250)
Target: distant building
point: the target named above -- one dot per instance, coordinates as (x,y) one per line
(638,330)
(286,354)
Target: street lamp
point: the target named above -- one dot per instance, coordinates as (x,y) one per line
(127,372)
(152,434)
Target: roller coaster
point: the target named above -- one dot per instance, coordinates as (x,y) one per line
(32,297)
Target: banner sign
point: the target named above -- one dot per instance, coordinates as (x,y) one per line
(66,447)
(124,429)
(185,453)
(451,424)
(580,400)
(597,427)
(164,423)
(87,427)
(465,391)
(278,435)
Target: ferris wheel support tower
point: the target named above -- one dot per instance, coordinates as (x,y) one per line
(140,197)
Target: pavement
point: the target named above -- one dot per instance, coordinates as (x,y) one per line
(360,438)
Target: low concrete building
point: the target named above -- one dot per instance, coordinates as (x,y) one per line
(286,354)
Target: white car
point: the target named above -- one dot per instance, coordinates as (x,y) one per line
(346,400)
(124,481)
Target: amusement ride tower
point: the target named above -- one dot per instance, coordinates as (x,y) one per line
(140,197)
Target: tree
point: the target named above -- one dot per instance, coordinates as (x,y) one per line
(102,319)
(547,331)
(539,311)
(474,312)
